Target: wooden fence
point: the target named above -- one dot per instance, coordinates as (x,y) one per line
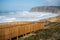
(9,30)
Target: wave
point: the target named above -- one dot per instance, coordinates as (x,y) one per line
(25,16)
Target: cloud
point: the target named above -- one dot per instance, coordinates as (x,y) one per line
(50,0)
(53,2)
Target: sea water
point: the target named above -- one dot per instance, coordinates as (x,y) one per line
(25,16)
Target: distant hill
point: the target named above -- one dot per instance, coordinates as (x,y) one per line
(54,9)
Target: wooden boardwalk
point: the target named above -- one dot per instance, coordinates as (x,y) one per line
(10,30)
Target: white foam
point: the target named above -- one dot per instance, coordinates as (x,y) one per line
(26,16)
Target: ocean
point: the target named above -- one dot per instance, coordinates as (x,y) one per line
(25,16)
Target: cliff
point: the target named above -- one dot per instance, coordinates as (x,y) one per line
(54,9)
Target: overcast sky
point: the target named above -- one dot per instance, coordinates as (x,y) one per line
(14,5)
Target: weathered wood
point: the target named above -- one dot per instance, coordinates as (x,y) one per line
(18,29)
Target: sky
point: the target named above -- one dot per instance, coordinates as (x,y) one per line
(23,5)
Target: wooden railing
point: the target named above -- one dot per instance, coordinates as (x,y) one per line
(10,31)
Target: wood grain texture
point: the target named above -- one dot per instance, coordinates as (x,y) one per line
(15,29)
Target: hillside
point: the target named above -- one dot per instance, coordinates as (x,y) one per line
(54,9)
(53,19)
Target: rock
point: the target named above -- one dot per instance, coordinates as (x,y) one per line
(54,9)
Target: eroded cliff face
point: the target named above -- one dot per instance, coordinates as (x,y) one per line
(54,9)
